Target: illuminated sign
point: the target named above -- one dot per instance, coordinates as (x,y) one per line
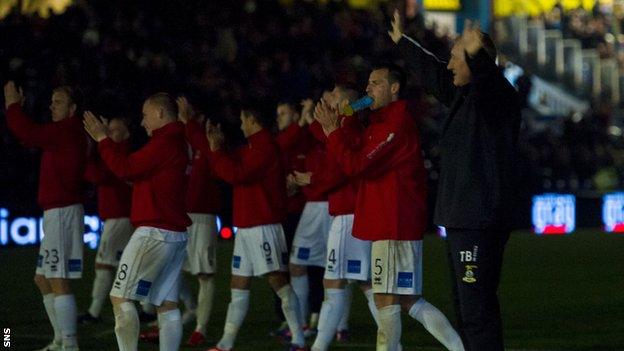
(613,212)
(442,232)
(553,214)
(442,5)
(29,230)
(22,231)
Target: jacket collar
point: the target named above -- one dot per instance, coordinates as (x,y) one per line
(168,129)
(379,115)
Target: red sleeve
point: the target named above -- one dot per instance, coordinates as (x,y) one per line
(317,130)
(133,166)
(196,136)
(31,133)
(328,179)
(241,167)
(95,172)
(357,159)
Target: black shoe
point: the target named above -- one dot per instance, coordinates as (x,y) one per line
(87,318)
(145,317)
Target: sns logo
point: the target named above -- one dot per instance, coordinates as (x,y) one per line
(553,214)
(7,337)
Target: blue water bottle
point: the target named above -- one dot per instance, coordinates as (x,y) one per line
(358,105)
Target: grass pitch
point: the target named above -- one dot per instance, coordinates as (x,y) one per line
(557,293)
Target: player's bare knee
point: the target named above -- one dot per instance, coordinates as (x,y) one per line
(384,300)
(167,306)
(297,270)
(205,276)
(240,282)
(43,284)
(104,266)
(116,301)
(277,280)
(407,301)
(60,286)
(334,283)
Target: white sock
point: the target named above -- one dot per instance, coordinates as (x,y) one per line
(389,332)
(301,287)
(344,320)
(205,297)
(372,307)
(436,324)
(332,311)
(101,287)
(237,310)
(66,315)
(48,302)
(289,307)
(170,333)
(126,326)
(186,296)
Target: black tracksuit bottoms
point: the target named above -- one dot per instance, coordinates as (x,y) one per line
(476,258)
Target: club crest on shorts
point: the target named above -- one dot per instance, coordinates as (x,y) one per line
(236,261)
(469,276)
(405,280)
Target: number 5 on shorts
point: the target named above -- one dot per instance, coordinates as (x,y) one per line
(378,268)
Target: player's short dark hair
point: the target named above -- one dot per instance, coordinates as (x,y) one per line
(395,73)
(293,106)
(166,102)
(489,46)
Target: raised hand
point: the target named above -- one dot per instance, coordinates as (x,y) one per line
(12,94)
(326,116)
(214,135)
(302,178)
(397,27)
(472,37)
(96,127)
(185,109)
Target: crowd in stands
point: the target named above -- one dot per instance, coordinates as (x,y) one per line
(240,51)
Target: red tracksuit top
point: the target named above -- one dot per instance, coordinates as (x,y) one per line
(341,189)
(203,195)
(294,143)
(391,197)
(63,159)
(114,194)
(256,173)
(158,174)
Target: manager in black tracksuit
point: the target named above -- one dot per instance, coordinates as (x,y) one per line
(478,153)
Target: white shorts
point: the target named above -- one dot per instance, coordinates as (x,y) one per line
(310,242)
(259,250)
(347,257)
(150,266)
(397,267)
(115,236)
(60,253)
(201,249)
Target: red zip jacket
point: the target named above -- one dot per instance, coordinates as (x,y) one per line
(294,143)
(63,159)
(203,195)
(391,197)
(316,162)
(256,174)
(114,194)
(158,174)
(341,189)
